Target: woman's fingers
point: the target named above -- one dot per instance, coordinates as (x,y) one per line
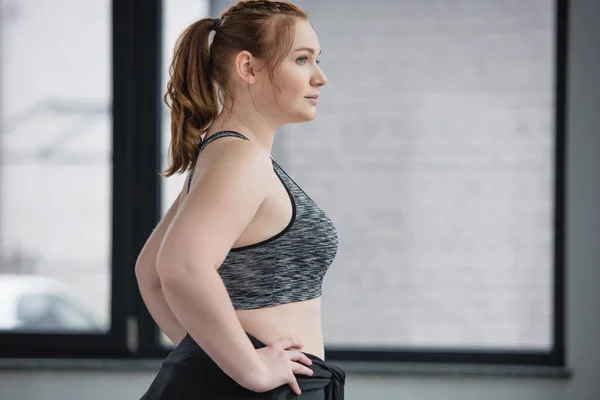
(300,357)
(294,385)
(298,368)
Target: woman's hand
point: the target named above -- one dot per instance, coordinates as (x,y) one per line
(280,361)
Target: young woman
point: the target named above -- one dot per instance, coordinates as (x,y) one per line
(233,272)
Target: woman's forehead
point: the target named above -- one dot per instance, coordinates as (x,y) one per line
(305,36)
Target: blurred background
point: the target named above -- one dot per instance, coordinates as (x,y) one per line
(435,153)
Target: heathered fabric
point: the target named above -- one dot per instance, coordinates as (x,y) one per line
(287,267)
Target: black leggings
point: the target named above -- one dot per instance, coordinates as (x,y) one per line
(188,373)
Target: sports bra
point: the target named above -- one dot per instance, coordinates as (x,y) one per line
(287,267)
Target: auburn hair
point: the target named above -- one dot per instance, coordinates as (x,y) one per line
(200,70)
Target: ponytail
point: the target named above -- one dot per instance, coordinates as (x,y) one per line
(192,95)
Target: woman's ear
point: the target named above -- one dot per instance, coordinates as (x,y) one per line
(245,65)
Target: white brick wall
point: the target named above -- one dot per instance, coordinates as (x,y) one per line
(433,153)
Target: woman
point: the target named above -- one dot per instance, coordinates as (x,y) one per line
(233,272)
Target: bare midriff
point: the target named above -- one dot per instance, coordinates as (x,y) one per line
(299,320)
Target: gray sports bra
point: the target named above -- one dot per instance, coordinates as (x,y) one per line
(287,267)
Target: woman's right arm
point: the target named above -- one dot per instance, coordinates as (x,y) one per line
(220,205)
(149,281)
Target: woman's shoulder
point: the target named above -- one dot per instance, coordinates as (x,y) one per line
(230,155)
(230,163)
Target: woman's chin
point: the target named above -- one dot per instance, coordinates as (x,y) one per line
(310,115)
(303,116)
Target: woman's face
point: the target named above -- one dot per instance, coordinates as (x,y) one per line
(299,77)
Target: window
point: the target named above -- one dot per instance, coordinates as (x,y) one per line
(73,199)
(55,156)
(45,312)
(438,154)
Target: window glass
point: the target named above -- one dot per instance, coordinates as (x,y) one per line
(55,153)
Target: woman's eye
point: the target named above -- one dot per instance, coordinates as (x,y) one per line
(305,58)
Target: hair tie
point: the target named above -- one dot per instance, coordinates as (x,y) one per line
(215,22)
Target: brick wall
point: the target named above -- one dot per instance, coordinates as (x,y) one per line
(433,153)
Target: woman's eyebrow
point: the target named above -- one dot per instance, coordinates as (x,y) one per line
(312,51)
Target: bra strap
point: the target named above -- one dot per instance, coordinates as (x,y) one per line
(207,142)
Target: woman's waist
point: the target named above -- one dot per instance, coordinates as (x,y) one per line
(301,321)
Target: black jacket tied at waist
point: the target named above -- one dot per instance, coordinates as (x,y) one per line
(325,375)
(188,373)
(335,388)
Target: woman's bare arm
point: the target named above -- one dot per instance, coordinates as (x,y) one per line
(222,202)
(149,281)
